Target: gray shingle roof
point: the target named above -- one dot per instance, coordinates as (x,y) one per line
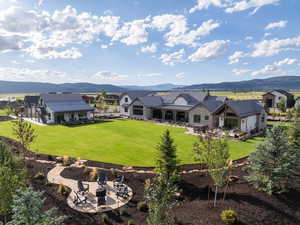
(244,108)
(284,92)
(151,101)
(211,105)
(65,102)
(177,107)
(137,94)
(216,98)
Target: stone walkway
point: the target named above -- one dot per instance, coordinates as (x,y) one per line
(113,202)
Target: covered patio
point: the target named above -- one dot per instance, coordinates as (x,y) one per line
(172,113)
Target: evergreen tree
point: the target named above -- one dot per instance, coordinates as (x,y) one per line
(294,131)
(272,165)
(12,177)
(215,154)
(167,162)
(27,210)
(160,193)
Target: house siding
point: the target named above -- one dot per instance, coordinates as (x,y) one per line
(180,101)
(124,104)
(202,111)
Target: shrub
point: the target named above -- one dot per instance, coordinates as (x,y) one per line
(123,212)
(86,170)
(229,216)
(39,176)
(113,172)
(94,174)
(130,222)
(142,206)
(62,189)
(105,218)
(66,161)
(78,160)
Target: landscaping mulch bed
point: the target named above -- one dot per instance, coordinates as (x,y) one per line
(253,207)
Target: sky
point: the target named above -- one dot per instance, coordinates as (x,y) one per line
(148,42)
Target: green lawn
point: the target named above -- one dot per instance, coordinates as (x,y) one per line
(124,142)
(3,112)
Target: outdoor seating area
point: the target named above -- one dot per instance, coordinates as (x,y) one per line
(93,197)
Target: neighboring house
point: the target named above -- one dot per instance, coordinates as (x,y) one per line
(112,98)
(89,99)
(199,109)
(8,99)
(127,98)
(272,98)
(56,108)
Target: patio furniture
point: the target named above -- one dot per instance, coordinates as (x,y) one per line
(122,191)
(118,181)
(102,179)
(83,188)
(101,196)
(79,198)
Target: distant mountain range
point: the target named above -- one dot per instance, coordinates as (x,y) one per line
(286,82)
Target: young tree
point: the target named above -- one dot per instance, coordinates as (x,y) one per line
(167,162)
(272,166)
(160,197)
(161,192)
(12,177)
(215,154)
(294,131)
(24,132)
(282,105)
(27,209)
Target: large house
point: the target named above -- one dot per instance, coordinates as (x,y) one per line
(53,108)
(272,98)
(198,109)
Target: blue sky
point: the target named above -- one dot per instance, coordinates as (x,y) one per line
(142,42)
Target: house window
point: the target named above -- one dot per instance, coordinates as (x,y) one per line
(197,118)
(206,117)
(263,118)
(126,109)
(49,116)
(126,99)
(138,110)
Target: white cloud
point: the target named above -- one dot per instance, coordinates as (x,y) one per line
(205,4)
(179,32)
(40,3)
(180,75)
(171,59)
(248,38)
(150,75)
(50,53)
(275,46)
(286,61)
(149,48)
(133,33)
(267,34)
(232,6)
(209,50)
(104,46)
(108,76)
(13,42)
(249,4)
(279,24)
(270,70)
(27,74)
(239,72)
(235,58)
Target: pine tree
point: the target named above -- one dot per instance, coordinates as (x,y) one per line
(160,193)
(294,131)
(27,209)
(167,162)
(12,177)
(272,165)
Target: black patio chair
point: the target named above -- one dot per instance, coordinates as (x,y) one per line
(102,179)
(79,198)
(118,181)
(82,188)
(122,191)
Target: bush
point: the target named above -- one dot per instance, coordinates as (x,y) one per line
(130,222)
(123,212)
(62,189)
(86,171)
(93,174)
(105,218)
(39,176)
(66,161)
(142,206)
(113,172)
(229,216)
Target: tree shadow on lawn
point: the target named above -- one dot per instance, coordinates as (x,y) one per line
(70,125)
